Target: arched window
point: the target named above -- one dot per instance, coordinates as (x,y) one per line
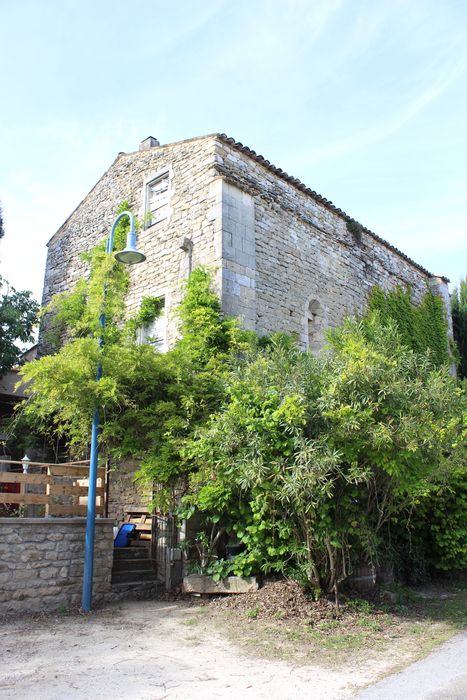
(315,326)
(155,332)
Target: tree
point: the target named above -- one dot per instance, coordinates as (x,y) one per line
(311,458)
(18,316)
(459,322)
(2,229)
(150,402)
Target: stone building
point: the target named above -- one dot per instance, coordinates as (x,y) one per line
(285,258)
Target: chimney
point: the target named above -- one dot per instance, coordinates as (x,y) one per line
(148,143)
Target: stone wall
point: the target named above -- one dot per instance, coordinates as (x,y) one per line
(293,260)
(239,268)
(193,210)
(284,257)
(41,563)
(124,494)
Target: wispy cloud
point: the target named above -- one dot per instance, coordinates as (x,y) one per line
(274,35)
(388,126)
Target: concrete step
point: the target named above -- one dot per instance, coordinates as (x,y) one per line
(133,576)
(132,564)
(138,543)
(141,588)
(131,553)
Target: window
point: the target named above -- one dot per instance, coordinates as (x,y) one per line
(315,326)
(155,332)
(157,199)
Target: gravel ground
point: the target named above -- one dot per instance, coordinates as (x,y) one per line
(150,650)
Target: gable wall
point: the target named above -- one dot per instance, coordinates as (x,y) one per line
(195,209)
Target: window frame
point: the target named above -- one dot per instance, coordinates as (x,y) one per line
(165,209)
(315,324)
(143,335)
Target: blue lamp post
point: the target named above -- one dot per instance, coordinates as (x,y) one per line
(129,256)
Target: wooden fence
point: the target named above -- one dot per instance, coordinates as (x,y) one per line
(50,489)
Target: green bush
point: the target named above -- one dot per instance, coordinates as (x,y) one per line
(324,453)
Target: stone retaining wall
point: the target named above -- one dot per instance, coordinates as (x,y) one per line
(41,563)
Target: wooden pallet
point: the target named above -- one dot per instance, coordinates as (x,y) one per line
(143,525)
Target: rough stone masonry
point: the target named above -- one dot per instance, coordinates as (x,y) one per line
(284,257)
(42,563)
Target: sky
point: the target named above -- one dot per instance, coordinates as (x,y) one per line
(365,101)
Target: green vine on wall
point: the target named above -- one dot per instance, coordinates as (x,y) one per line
(422,327)
(149,310)
(76,313)
(459,322)
(355,229)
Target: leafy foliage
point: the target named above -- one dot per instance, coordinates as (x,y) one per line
(198,367)
(443,517)
(459,320)
(310,458)
(355,229)
(433,536)
(150,402)
(307,463)
(76,314)
(150,309)
(421,327)
(18,316)
(63,390)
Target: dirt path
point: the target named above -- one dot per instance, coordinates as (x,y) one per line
(149,651)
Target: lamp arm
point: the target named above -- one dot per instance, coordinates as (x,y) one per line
(110,239)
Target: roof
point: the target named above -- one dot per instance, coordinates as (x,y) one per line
(284,176)
(319,198)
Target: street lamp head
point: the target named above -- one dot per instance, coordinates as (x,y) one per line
(130,256)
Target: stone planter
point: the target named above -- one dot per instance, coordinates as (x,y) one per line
(201,583)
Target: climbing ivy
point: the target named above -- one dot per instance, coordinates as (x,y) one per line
(150,402)
(421,326)
(150,309)
(459,322)
(76,313)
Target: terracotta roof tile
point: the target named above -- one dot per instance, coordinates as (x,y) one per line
(319,198)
